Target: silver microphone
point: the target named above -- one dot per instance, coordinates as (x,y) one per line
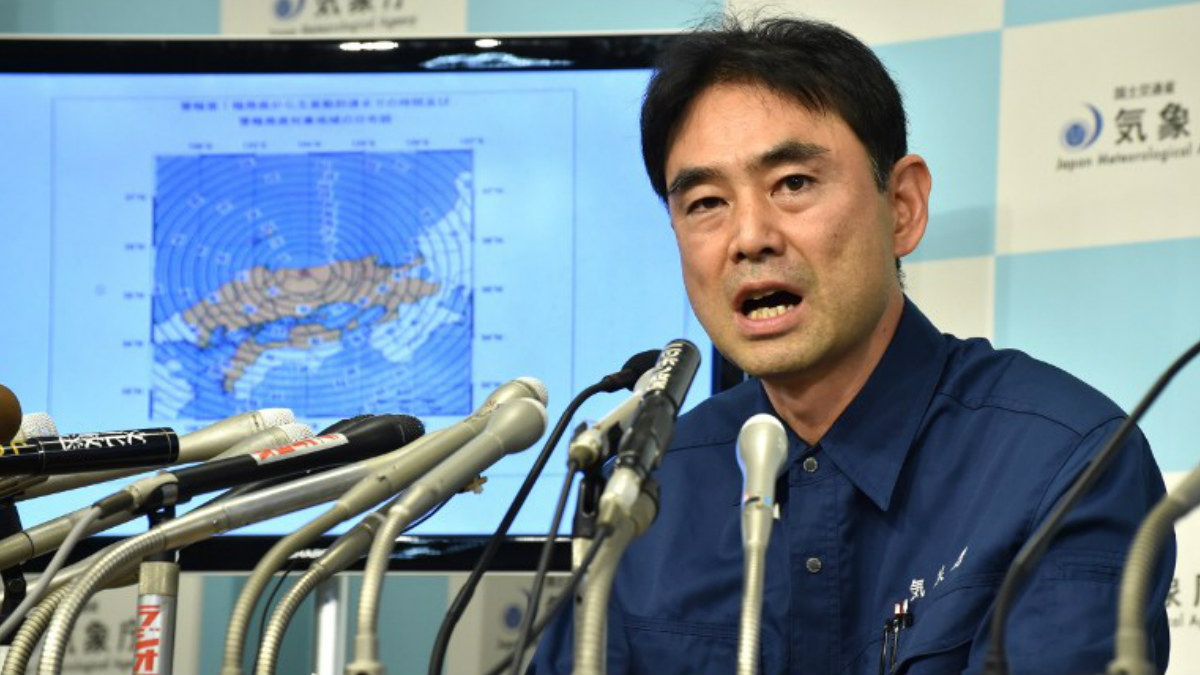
(593,442)
(514,426)
(761,452)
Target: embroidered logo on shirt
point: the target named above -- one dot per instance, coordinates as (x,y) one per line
(960,558)
(917,588)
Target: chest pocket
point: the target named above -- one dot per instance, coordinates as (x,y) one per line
(943,628)
(658,646)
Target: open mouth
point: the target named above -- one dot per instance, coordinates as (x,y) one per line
(769,304)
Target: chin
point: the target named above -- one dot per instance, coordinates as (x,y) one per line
(766,361)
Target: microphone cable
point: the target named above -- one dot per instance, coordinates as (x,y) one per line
(1035,547)
(290,566)
(567,594)
(463,598)
(79,531)
(539,577)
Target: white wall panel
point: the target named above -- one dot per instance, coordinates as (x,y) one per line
(1074,169)
(957,294)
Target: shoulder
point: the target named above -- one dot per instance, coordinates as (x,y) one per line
(1008,381)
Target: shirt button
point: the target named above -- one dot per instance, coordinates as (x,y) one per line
(810,464)
(813,565)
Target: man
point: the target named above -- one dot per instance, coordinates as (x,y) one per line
(918,463)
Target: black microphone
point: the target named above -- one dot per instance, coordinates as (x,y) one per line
(359,439)
(629,373)
(338,427)
(653,425)
(78,453)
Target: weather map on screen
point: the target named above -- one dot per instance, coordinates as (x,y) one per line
(335,284)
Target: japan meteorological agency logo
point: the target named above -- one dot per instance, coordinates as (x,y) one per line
(287,9)
(1079,134)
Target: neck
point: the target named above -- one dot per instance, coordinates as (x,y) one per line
(811,401)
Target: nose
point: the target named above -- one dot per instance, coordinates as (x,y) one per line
(757,234)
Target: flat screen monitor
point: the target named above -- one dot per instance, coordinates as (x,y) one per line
(197,228)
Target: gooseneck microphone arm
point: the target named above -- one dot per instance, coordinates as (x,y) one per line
(761,451)
(382,481)
(514,426)
(629,374)
(1138,577)
(629,503)
(591,636)
(1035,547)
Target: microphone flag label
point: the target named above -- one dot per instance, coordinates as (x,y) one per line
(154,648)
(665,366)
(300,447)
(156,439)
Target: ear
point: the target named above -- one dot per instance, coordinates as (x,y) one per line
(908,197)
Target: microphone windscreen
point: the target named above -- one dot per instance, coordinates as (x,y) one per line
(634,368)
(410,427)
(10,415)
(37,425)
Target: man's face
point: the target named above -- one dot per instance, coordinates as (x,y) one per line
(787,244)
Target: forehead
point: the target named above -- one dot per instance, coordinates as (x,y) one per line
(738,121)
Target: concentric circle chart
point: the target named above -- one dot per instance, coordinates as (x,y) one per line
(333,284)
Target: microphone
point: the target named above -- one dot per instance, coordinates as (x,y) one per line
(629,373)
(10,414)
(356,488)
(650,432)
(592,444)
(35,425)
(197,446)
(1137,580)
(514,426)
(102,451)
(761,453)
(47,536)
(368,438)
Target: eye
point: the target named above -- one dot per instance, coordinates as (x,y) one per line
(704,204)
(795,183)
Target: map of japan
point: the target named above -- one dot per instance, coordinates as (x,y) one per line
(333,284)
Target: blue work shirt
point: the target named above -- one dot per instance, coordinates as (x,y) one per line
(923,490)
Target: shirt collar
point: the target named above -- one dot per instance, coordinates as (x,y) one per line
(872,437)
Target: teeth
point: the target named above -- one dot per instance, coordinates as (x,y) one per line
(769,312)
(760,296)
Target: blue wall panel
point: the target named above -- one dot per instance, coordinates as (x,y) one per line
(951,89)
(1114,305)
(1023,12)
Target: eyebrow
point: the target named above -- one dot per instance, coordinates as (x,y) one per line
(784,153)
(788,152)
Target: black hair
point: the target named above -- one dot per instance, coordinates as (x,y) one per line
(822,67)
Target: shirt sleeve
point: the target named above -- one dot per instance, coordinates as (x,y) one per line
(1064,618)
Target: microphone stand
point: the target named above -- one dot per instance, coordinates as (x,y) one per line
(158,591)
(13,577)
(591,618)
(583,528)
